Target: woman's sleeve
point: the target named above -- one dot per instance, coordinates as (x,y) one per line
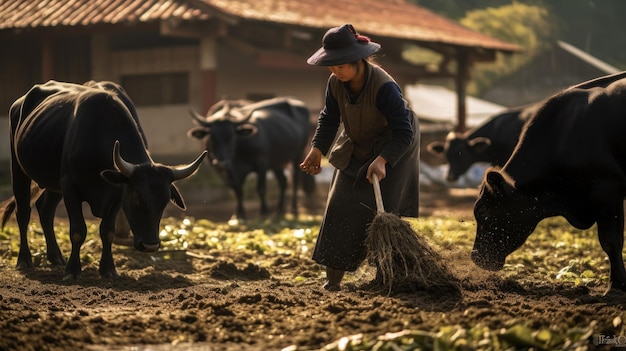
(390,102)
(327,123)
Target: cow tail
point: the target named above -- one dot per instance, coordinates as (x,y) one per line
(8,206)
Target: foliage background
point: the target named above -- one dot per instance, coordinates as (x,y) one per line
(594,26)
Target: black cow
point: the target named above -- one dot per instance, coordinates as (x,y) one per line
(44,197)
(571,162)
(244,137)
(492,142)
(81,144)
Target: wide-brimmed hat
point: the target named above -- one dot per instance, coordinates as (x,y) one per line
(341,45)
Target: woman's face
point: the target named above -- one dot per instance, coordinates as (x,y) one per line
(345,72)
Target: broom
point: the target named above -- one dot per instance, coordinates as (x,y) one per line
(404,259)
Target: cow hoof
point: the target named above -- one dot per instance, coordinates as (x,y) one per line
(70,276)
(108,275)
(22,265)
(332,287)
(57,261)
(615,289)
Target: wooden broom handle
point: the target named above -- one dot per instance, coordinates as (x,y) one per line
(379,198)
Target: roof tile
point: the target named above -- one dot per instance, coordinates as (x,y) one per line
(50,13)
(386,18)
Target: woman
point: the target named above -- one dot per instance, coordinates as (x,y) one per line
(376,133)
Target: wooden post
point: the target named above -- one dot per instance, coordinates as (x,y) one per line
(461,90)
(208,71)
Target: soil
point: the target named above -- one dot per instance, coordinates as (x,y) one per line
(235,301)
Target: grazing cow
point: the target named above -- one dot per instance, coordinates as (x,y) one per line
(570,161)
(81,143)
(243,137)
(47,199)
(492,142)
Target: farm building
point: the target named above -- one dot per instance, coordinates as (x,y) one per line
(173,55)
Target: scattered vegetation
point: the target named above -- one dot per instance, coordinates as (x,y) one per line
(555,252)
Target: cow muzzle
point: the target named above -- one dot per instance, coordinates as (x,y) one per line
(486,261)
(147,247)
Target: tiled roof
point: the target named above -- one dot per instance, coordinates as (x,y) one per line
(50,13)
(385,18)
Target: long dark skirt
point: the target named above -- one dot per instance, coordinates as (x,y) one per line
(351,207)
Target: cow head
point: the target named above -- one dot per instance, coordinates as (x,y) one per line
(223,134)
(460,152)
(505,217)
(147,188)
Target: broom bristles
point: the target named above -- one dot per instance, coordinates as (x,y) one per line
(404,258)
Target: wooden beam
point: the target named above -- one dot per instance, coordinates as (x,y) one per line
(462,74)
(208,71)
(213,27)
(481,55)
(240,45)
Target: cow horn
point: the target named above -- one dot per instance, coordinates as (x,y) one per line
(197,117)
(238,116)
(182,172)
(126,168)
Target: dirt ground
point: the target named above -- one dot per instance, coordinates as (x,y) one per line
(234,301)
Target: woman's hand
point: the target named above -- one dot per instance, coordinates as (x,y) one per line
(378,167)
(312,162)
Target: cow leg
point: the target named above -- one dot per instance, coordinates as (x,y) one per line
(46,206)
(21,192)
(78,233)
(261,190)
(107,232)
(611,237)
(282,189)
(239,211)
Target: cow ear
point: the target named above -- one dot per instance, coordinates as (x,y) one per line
(176,198)
(436,147)
(499,183)
(479,144)
(114,177)
(495,182)
(197,132)
(247,130)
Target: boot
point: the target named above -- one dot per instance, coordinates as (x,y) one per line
(334,277)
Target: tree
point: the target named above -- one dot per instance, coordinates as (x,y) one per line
(529,26)
(455,9)
(595,26)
